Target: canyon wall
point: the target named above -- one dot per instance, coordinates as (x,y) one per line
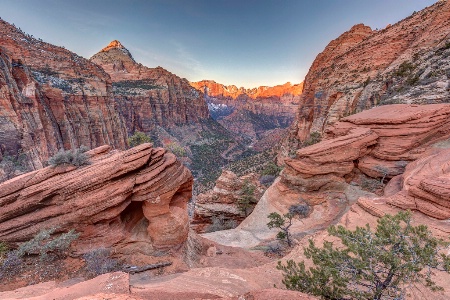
(408,62)
(149,97)
(50,99)
(167,108)
(251,113)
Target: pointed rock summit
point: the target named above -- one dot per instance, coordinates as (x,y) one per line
(113,45)
(117,55)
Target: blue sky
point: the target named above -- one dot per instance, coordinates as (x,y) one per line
(246,43)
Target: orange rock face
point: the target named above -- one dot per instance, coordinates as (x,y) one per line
(149,97)
(134,200)
(51,98)
(403,63)
(251,112)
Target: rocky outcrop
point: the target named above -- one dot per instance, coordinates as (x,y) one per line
(167,108)
(134,200)
(51,98)
(425,185)
(149,97)
(251,112)
(407,62)
(221,203)
(378,142)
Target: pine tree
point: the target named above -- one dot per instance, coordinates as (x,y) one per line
(370,265)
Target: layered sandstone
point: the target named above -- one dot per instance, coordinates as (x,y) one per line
(407,62)
(149,97)
(222,201)
(50,99)
(425,185)
(134,200)
(251,112)
(378,142)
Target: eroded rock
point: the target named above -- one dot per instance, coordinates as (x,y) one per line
(134,200)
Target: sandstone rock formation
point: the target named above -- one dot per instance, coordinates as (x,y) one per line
(149,97)
(221,202)
(378,142)
(251,112)
(134,200)
(425,185)
(167,108)
(407,62)
(51,98)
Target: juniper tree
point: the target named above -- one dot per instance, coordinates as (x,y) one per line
(247,198)
(370,265)
(138,138)
(282,222)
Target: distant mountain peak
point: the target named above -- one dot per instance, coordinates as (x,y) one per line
(113,45)
(115,51)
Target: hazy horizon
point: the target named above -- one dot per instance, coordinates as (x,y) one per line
(242,43)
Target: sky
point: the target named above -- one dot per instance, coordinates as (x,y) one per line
(242,42)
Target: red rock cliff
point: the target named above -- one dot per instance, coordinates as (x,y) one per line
(51,98)
(251,112)
(149,97)
(407,62)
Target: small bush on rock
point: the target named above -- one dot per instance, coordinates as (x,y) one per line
(42,244)
(301,210)
(271,169)
(221,223)
(138,138)
(99,262)
(76,157)
(176,149)
(314,138)
(3,249)
(10,264)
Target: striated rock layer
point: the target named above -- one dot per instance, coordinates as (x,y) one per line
(379,142)
(407,62)
(425,185)
(149,97)
(134,200)
(51,98)
(251,112)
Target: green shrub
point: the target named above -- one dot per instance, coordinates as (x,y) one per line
(3,249)
(282,222)
(247,199)
(176,149)
(138,138)
(370,265)
(42,244)
(271,169)
(76,157)
(314,138)
(404,69)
